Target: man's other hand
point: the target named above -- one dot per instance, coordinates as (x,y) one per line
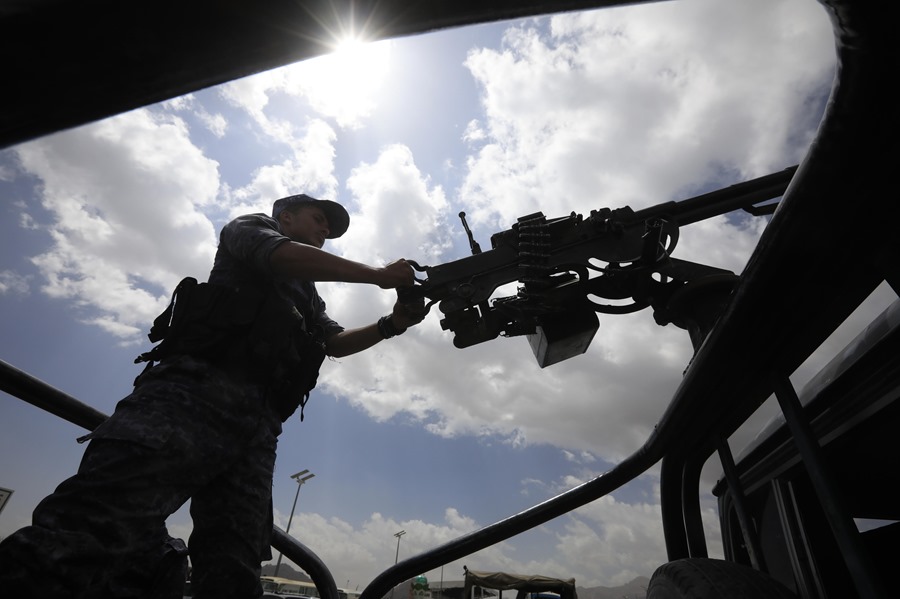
(396,274)
(406,315)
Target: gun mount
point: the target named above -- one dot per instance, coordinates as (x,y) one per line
(572,267)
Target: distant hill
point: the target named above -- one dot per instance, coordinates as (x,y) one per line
(285,571)
(636,589)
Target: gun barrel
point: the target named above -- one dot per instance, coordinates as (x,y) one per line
(722,201)
(471,280)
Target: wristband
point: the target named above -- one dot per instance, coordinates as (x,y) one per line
(387,329)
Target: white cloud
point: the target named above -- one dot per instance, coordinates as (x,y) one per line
(618,541)
(606,542)
(6,173)
(12,283)
(399,213)
(131,223)
(595,544)
(309,169)
(216,123)
(635,106)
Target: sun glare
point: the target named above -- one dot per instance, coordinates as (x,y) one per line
(359,59)
(349,46)
(346,82)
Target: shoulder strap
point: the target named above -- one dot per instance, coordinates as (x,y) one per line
(163,322)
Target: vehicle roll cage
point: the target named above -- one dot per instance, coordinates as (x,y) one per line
(827,247)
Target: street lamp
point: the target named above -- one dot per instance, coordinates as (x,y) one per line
(397,555)
(398,535)
(301,477)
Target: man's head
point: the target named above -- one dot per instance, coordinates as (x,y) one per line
(310,219)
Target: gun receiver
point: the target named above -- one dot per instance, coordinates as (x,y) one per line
(568,266)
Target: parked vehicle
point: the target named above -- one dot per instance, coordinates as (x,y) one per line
(526,586)
(774,509)
(287,587)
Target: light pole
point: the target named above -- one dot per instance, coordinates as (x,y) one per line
(301,477)
(398,535)
(397,555)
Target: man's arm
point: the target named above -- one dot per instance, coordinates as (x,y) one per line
(300,261)
(352,341)
(297,260)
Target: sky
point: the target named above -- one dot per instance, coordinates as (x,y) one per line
(573,112)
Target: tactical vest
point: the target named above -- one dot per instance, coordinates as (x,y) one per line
(258,332)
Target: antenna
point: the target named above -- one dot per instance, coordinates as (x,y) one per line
(476,249)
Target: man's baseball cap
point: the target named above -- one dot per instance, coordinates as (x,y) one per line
(338,218)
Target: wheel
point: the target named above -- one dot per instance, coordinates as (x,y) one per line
(696,578)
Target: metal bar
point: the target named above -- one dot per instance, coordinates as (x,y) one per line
(800,551)
(690,507)
(829,493)
(751,540)
(50,399)
(670,503)
(304,557)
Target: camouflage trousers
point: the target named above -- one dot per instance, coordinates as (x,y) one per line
(188,431)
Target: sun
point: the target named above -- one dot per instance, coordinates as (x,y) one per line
(349,47)
(349,82)
(358,59)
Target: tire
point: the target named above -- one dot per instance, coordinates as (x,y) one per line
(696,578)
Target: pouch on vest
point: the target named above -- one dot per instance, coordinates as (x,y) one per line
(202,320)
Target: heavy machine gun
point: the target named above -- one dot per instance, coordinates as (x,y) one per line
(569,268)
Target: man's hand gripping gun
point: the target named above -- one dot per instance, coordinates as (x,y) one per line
(569,268)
